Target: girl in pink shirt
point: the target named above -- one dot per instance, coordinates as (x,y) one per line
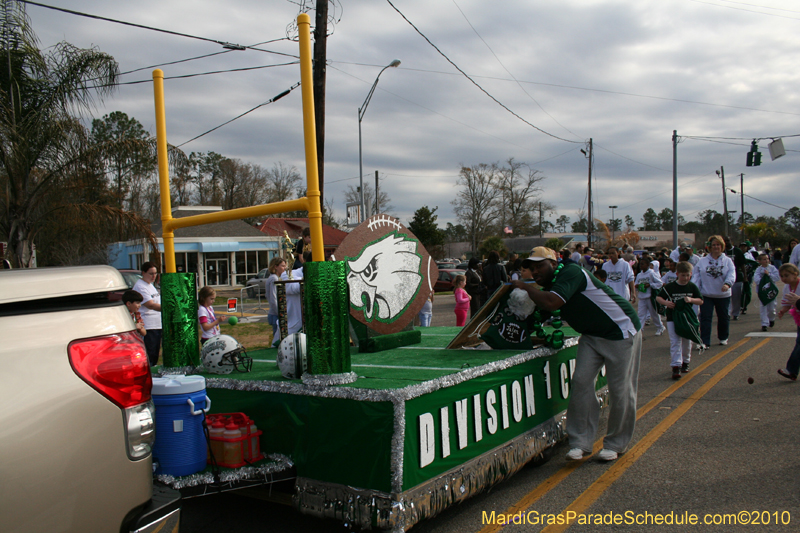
(462,300)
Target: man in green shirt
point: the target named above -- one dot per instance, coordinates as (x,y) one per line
(610,335)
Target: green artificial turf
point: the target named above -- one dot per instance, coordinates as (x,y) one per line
(395,368)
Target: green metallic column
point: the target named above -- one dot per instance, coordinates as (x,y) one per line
(179,323)
(327,315)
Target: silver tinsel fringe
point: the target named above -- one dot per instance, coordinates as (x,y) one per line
(279,463)
(327,380)
(400,511)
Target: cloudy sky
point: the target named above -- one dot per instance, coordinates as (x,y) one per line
(625,73)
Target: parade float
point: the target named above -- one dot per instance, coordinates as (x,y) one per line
(377,424)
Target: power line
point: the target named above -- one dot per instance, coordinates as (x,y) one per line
(708,138)
(747,10)
(509,72)
(429,109)
(484,91)
(183,76)
(762,7)
(204,56)
(224,44)
(275,99)
(588,89)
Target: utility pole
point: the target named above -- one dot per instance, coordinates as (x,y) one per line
(675,188)
(589,226)
(721,174)
(541,231)
(376,193)
(318,81)
(741,190)
(613,223)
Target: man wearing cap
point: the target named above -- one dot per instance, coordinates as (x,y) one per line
(675,255)
(611,336)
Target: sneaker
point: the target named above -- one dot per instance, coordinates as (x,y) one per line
(763,328)
(647,322)
(685,368)
(787,374)
(723,342)
(660,331)
(771,323)
(607,455)
(734,318)
(744,311)
(575,454)
(676,372)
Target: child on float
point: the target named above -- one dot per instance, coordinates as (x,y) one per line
(682,288)
(648,280)
(462,300)
(133,301)
(790,276)
(276,268)
(766,269)
(209,323)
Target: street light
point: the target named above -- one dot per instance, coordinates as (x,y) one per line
(361,111)
(613,222)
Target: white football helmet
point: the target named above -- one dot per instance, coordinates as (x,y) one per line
(223,354)
(293,356)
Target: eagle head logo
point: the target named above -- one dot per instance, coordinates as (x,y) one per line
(385,278)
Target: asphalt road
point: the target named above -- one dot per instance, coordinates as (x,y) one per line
(711,446)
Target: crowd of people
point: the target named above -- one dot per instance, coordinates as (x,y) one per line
(596,292)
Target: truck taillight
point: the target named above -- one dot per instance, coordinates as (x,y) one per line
(115,366)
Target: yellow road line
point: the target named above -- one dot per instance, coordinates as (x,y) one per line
(550,483)
(596,489)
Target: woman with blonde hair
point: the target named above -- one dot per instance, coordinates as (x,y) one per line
(714,275)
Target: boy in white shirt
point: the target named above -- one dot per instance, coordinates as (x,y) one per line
(768,309)
(619,275)
(646,281)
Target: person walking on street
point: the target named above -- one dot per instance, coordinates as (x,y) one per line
(789,276)
(150,310)
(620,275)
(765,277)
(462,300)
(714,276)
(648,281)
(474,286)
(494,274)
(610,335)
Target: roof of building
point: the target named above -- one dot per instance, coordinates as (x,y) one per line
(227,229)
(331,236)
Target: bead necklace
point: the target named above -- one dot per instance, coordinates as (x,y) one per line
(555,339)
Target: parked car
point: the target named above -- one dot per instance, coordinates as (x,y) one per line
(445,265)
(130,277)
(258,284)
(77,418)
(445,280)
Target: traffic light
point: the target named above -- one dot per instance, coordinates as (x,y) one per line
(753,156)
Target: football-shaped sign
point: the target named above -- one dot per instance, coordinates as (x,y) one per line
(389,273)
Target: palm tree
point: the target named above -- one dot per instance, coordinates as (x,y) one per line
(40,139)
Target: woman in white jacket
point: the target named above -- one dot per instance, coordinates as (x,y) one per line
(714,275)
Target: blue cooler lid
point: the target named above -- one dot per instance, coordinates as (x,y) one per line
(178,384)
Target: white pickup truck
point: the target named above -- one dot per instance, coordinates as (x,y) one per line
(76,417)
